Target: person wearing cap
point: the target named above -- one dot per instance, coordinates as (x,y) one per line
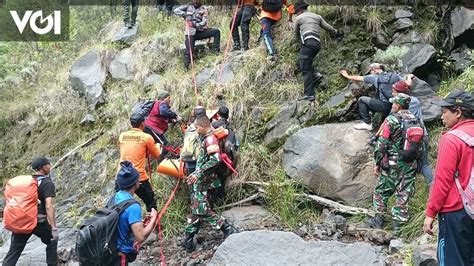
(382,81)
(135,145)
(268,19)
(246,10)
(307,28)
(190,150)
(46,228)
(223,116)
(456,228)
(395,175)
(130,226)
(156,124)
(403,86)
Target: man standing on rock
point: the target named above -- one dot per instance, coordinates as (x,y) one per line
(46,228)
(307,27)
(135,145)
(453,176)
(195,16)
(130,21)
(383,82)
(202,180)
(243,18)
(395,174)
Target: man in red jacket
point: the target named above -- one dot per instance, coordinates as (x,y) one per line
(456,228)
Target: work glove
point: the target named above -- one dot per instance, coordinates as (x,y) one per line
(338,35)
(55,234)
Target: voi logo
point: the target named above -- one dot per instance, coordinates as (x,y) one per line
(53,21)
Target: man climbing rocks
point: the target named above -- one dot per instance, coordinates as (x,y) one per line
(46,228)
(246,10)
(130,227)
(453,174)
(195,16)
(135,145)
(202,180)
(382,81)
(128,20)
(307,27)
(270,14)
(395,174)
(160,115)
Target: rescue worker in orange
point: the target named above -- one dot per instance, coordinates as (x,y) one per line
(135,145)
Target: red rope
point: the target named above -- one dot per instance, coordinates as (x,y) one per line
(193,72)
(228,42)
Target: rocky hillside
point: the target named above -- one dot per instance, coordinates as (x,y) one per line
(56,96)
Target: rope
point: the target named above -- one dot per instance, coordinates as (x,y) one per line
(226,50)
(193,72)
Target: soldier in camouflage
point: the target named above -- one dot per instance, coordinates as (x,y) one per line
(395,175)
(201,181)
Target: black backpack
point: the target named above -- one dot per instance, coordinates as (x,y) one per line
(143,108)
(272,5)
(97,237)
(385,81)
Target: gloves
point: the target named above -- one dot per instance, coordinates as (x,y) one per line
(55,234)
(338,35)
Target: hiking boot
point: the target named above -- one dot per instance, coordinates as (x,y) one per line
(228,230)
(307,98)
(317,77)
(189,242)
(127,25)
(375,222)
(245,48)
(363,126)
(236,47)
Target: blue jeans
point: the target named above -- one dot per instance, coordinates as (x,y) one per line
(425,165)
(267,25)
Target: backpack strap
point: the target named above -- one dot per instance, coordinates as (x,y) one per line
(380,89)
(122,206)
(39,179)
(469,140)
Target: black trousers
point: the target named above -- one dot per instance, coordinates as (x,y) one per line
(242,19)
(456,239)
(145,193)
(18,243)
(190,40)
(367,104)
(169,4)
(308,51)
(126,10)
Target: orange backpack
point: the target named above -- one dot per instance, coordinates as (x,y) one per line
(20,214)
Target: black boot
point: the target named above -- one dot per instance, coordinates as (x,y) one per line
(375,222)
(236,46)
(189,242)
(228,230)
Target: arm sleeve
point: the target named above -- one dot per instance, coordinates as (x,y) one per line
(297,28)
(444,175)
(181,10)
(382,142)
(203,22)
(371,79)
(166,112)
(47,189)
(213,162)
(134,213)
(326,25)
(151,148)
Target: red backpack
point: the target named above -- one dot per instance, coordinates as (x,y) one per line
(467,195)
(412,134)
(20,214)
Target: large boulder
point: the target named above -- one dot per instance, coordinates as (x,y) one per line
(425,94)
(333,160)
(462,19)
(284,248)
(123,66)
(417,56)
(462,58)
(87,76)
(247,216)
(403,23)
(403,13)
(406,38)
(425,255)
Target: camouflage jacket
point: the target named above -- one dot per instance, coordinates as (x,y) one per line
(207,163)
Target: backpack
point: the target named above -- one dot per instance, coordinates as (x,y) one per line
(412,135)
(190,149)
(96,240)
(143,108)
(228,146)
(272,5)
(20,214)
(385,81)
(467,195)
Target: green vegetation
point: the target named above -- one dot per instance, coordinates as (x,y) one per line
(391,57)
(374,21)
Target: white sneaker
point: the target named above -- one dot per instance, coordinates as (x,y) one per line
(363,126)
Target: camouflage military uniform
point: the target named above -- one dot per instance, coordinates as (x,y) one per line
(206,167)
(396,176)
(126,11)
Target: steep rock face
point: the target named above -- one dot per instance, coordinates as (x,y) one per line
(462,19)
(333,160)
(87,76)
(425,94)
(283,248)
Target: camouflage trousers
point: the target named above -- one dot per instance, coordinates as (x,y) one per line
(399,179)
(201,211)
(126,11)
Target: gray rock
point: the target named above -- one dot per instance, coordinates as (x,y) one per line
(403,24)
(425,94)
(256,115)
(344,175)
(425,255)
(406,38)
(87,76)
(417,56)
(152,80)
(123,65)
(395,245)
(246,216)
(87,120)
(126,35)
(403,13)
(462,58)
(283,248)
(462,19)
(394,260)
(380,40)
(222,74)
